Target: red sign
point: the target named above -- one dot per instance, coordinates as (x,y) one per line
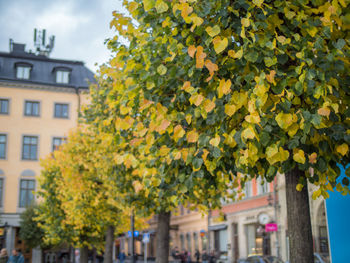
(272,227)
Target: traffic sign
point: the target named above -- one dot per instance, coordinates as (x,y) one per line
(136,233)
(145,238)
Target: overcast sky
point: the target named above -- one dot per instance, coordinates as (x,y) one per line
(80,26)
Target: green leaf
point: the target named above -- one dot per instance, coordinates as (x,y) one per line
(251,56)
(161,6)
(340,43)
(161,69)
(270,61)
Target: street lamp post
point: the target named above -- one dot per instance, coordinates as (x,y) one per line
(132,237)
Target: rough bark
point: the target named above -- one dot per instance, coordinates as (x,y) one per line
(299,221)
(84,254)
(109,245)
(162,253)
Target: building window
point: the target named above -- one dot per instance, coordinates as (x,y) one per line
(23,72)
(30,148)
(248,189)
(61,110)
(262,188)
(1,190)
(3,141)
(31,108)
(62,77)
(26,193)
(57,142)
(182,242)
(4,106)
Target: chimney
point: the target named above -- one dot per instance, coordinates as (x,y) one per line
(16,47)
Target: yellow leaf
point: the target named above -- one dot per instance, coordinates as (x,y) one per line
(313,158)
(200,56)
(316,194)
(187,87)
(324,111)
(271,77)
(284,120)
(188,118)
(161,6)
(192,136)
(161,69)
(299,187)
(258,2)
(230,109)
(245,22)
(215,141)
(312,31)
(248,133)
(293,129)
(238,54)
(163,126)
(196,99)
(164,150)
(191,50)
(220,44)
(197,20)
(281,39)
(179,132)
(213,31)
(185,10)
(253,117)
(212,67)
(148,4)
(224,87)
(299,156)
(208,105)
(329,187)
(342,149)
(231,53)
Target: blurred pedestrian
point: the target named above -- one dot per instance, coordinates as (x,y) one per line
(212,257)
(121,256)
(16,257)
(205,257)
(197,255)
(4,257)
(188,257)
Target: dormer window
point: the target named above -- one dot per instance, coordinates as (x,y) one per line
(23,70)
(62,76)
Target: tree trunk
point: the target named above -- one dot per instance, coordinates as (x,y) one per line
(162,253)
(299,221)
(84,254)
(109,245)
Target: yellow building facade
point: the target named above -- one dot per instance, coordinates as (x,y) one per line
(39,102)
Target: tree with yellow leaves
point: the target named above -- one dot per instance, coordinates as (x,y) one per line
(77,206)
(209,93)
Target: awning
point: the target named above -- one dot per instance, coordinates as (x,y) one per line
(217,227)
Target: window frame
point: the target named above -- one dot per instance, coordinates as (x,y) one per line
(5,147)
(25,69)
(60,76)
(62,141)
(61,104)
(28,191)
(31,107)
(2,189)
(37,147)
(8,106)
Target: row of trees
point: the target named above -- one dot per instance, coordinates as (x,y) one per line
(204,96)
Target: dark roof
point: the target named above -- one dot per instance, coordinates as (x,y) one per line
(43,69)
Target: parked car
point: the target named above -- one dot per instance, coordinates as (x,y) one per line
(319,258)
(263,259)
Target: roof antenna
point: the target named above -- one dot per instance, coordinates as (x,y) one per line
(39,42)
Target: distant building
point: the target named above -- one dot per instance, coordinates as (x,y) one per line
(39,102)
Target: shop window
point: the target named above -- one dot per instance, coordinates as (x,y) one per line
(220,241)
(182,242)
(258,240)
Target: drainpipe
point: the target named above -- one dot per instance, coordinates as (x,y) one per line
(209,216)
(275,215)
(78,94)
